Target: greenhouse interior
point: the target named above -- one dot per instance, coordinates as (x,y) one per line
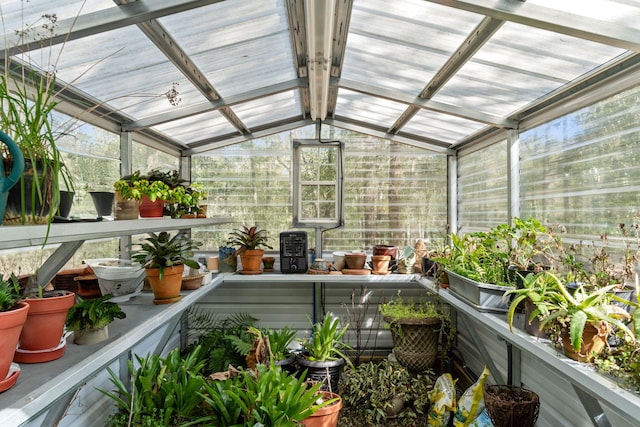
(320,213)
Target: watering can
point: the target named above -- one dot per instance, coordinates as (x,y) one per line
(6,182)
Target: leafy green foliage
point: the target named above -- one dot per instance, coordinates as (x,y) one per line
(326,342)
(249,238)
(224,342)
(93,313)
(622,362)
(280,341)
(369,391)
(10,294)
(555,305)
(268,397)
(167,390)
(162,250)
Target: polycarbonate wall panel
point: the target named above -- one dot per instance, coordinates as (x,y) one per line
(393,193)
(482,188)
(583,170)
(18,13)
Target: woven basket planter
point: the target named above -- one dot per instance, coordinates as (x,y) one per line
(415,342)
(511,406)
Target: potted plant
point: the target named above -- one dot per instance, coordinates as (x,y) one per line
(128,193)
(416,329)
(528,245)
(13,314)
(164,258)
(583,319)
(42,337)
(249,241)
(27,101)
(89,319)
(323,357)
(184,200)
(272,345)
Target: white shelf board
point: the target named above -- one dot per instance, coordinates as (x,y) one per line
(16,236)
(319,278)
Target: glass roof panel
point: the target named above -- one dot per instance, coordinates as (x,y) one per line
(113,72)
(246,46)
(402,44)
(442,127)
(270,109)
(18,14)
(368,109)
(520,64)
(198,127)
(620,12)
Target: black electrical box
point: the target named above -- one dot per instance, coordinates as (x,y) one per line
(293,252)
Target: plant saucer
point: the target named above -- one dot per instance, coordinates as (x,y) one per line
(12,377)
(37,356)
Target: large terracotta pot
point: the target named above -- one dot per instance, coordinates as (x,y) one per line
(45,322)
(167,290)
(326,416)
(251,260)
(11,323)
(149,209)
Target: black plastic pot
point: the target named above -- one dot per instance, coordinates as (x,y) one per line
(66,200)
(327,372)
(103,202)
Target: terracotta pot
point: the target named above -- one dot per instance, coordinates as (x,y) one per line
(267,263)
(11,323)
(45,322)
(167,290)
(251,259)
(380,263)
(126,209)
(390,250)
(592,344)
(355,261)
(149,209)
(90,336)
(326,416)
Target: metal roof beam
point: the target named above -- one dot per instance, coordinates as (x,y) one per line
(172,50)
(427,104)
(474,41)
(298,35)
(204,107)
(380,132)
(340,33)
(571,24)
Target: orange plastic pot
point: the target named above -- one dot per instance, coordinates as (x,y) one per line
(167,290)
(251,260)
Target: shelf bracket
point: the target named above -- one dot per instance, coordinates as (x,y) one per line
(593,408)
(56,261)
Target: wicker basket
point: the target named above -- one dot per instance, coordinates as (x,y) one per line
(511,406)
(415,342)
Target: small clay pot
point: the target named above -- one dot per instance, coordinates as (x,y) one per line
(355,261)
(390,250)
(380,262)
